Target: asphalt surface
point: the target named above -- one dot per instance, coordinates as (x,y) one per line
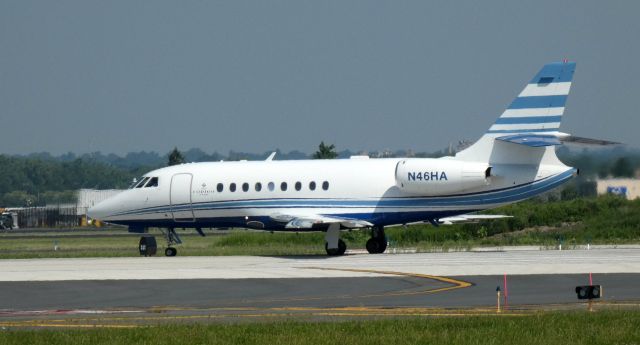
(130,303)
(405,291)
(129,292)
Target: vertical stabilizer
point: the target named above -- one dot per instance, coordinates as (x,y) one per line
(536,111)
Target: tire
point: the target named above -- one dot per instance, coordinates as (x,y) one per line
(170,251)
(383,244)
(376,245)
(372,246)
(342,248)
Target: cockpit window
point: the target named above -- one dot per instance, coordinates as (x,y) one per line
(153,182)
(134,183)
(144,180)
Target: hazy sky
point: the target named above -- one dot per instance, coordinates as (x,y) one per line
(120,76)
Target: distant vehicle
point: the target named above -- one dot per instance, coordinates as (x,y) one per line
(513,161)
(8,221)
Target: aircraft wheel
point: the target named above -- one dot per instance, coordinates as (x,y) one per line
(383,244)
(170,251)
(342,248)
(376,245)
(372,246)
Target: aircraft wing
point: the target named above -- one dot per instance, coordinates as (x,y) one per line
(310,221)
(470,218)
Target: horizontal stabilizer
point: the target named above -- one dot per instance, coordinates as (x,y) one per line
(532,140)
(558,138)
(588,141)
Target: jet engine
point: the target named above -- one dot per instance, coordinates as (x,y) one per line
(434,177)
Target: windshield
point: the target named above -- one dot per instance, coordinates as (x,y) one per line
(153,182)
(134,183)
(144,180)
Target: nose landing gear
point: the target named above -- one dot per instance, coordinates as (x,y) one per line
(171,236)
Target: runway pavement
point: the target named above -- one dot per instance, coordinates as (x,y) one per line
(245,267)
(131,291)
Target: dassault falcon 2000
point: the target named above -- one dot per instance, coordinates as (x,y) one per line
(514,160)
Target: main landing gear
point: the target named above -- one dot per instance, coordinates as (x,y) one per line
(333,244)
(171,236)
(342,248)
(377,244)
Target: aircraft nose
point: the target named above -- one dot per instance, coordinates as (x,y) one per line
(98,211)
(104,210)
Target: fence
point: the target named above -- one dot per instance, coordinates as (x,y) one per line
(48,217)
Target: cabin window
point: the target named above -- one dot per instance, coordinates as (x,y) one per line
(325,185)
(312,185)
(232,187)
(153,182)
(283,186)
(258,186)
(144,180)
(245,187)
(220,187)
(271,186)
(298,186)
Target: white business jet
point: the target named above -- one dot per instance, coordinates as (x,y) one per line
(513,161)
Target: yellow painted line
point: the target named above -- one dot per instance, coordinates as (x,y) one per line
(419,314)
(456,283)
(69,323)
(291,311)
(373,308)
(58,325)
(267,313)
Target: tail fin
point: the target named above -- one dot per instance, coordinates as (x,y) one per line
(536,112)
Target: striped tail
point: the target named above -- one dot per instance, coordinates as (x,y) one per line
(536,113)
(539,107)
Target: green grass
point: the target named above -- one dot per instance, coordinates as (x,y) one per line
(603,327)
(239,242)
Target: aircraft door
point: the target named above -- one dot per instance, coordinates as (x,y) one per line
(180,198)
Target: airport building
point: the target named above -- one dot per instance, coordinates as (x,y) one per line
(60,215)
(87,198)
(627,187)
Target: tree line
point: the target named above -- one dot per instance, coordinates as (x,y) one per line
(40,179)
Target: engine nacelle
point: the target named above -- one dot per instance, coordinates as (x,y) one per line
(432,177)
